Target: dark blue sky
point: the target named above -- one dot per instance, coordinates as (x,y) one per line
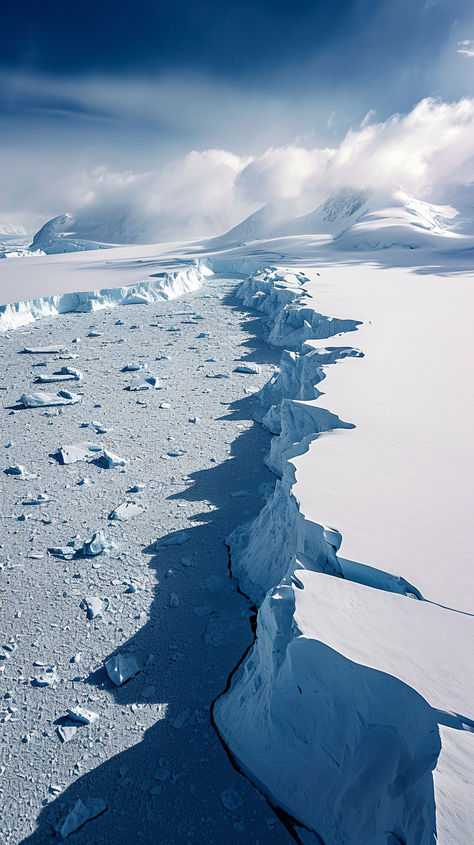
(135,84)
(263,43)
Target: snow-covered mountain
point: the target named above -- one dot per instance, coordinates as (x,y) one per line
(359,220)
(399,220)
(60,235)
(261,224)
(348,220)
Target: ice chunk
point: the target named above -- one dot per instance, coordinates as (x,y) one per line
(172,540)
(99,428)
(121,668)
(176,453)
(144,382)
(78,452)
(17,470)
(83,716)
(66,732)
(40,499)
(41,400)
(181,720)
(126,510)
(97,544)
(94,606)
(250,369)
(64,374)
(231,799)
(82,812)
(64,552)
(42,350)
(46,678)
(110,460)
(174,600)
(165,405)
(130,368)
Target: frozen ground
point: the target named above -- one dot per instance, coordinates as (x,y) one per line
(152,755)
(353,710)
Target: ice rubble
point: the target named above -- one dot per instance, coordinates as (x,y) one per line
(341,711)
(162,286)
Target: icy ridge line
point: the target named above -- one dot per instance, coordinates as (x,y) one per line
(281,539)
(266,556)
(164,286)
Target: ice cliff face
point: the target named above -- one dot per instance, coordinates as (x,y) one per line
(287,536)
(162,286)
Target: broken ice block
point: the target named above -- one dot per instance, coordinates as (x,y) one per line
(41,400)
(16,470)
(250,369)
(121,668)
(66,732)
(82,812)
(144,382)
(78,452)
(46,678)
(94,606)
(42,350)
(83,716)
(110,460)
(97,544)
(172,540)
(126,510)
(231,799)
(40,499)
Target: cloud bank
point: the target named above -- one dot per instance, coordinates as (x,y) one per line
(424,153)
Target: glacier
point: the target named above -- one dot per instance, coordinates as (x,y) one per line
(351,712)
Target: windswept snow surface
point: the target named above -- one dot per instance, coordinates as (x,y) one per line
(354,707)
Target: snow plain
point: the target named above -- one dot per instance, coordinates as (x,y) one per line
(353,709)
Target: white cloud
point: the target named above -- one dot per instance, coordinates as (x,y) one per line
(205,192)
(466,48)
